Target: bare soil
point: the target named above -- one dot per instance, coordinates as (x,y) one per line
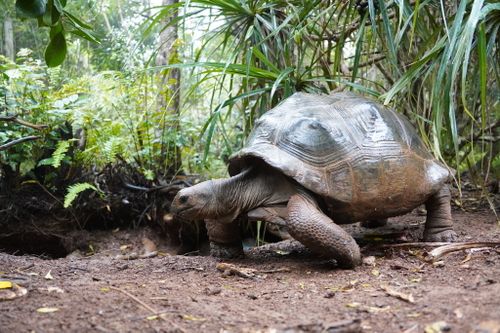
(272,289)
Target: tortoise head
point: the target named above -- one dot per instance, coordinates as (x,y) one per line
(195,202)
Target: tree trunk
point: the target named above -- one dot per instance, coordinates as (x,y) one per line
(8,41)
(169,97)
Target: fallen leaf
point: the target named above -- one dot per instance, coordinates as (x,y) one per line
(47,310)
(5,284)
(152,317)
(124,247)
(353,305)
(192,318)
(15,291)
(437,327)
(391,292)
(414,315)
(48,276)
(375,272)
(376,309)
(55,289)
(104,289)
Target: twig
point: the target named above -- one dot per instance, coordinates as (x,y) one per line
(17,141)
(147,307)
(15,119)
(415,244)
(384,73)
(369,62)
(449,248)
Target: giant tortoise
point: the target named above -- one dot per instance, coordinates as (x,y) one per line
(316,161)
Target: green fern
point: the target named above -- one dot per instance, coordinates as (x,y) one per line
(111,148)
(58,155)
(74,190)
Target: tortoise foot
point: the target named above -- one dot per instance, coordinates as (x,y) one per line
(226,251)
(443,236)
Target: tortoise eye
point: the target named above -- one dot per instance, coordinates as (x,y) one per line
(183,199)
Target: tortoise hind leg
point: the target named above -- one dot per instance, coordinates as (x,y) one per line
(439,225)
(308,225)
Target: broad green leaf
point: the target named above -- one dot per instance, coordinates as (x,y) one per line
(75,21)
(56,50)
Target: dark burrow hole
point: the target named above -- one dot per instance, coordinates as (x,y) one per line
(44,246)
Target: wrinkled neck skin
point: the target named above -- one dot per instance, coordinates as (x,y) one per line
(253,187)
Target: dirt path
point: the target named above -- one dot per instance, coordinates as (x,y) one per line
(301,293)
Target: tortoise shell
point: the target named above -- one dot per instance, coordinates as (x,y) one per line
(364,160)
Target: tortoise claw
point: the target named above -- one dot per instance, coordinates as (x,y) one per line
(226,251)
(443,236)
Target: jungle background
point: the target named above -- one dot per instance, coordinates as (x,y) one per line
(108,108)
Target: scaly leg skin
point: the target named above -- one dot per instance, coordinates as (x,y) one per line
(376,223)
(225,239)
(308,225)
(439,225)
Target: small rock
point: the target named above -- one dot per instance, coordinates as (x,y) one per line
(213,291)
(252,296)
(437,327)
(329,294)
(122,267)
(370,261)
(438,263)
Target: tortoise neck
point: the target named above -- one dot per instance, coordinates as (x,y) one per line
(251,188)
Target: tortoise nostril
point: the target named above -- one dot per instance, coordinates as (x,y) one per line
(183,199)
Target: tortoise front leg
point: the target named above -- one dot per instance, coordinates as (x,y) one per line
(225,238)
(308,225)
(439,225)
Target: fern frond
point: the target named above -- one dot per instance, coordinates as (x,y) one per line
(58,155)
(111,148)
(60,152)
(74,190)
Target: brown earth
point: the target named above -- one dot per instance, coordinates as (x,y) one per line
(285,290)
